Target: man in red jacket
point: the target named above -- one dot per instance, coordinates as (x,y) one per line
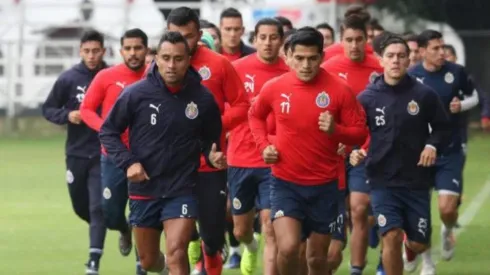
(314,112)
(248,174)
(102,94)
(219,76)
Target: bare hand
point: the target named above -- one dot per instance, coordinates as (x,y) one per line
(357,156)
(136,173)
(326,123)
(75,117)
(455,105)
(341,150)
(427,157)
(217,159)
(270,154)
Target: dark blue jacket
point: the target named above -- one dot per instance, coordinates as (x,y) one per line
(167,133)
(66,95)
(448,82)
(398,118)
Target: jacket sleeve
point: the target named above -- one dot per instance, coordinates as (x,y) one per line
(211,130)
(471,98)
(53,108)
(257,117)
(93,99)
(439,122)
(351,127)
(234,95)
(110,133)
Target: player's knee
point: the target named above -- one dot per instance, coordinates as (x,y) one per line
(393,237)
(316,262)
(148,261)
(242,232)
(176,254)
(447,208)
(359,213)
(334,257)
(268,232)
(288,249)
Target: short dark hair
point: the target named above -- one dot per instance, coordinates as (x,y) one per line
(287,39)
(411,38)
(92,35)
(358,10)
(174,38)
(182,16)
(379,40)
(230,13)
(307,36)
(205,24)
(284,21)
(135,33)
(426,36)
(354,22)
(327,26)
(375,25)
(450,48)
(389,39)
(269,22)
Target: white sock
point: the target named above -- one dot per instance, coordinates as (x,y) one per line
(234,250)
(427,257)
(253,246)
(446,231)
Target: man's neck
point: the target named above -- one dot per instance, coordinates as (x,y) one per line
(229,50)
(268,62)
(430,67)
(392,81)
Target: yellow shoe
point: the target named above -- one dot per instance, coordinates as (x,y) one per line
(194,252)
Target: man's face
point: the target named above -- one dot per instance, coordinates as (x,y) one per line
(231,31)
(268,42)
(354,42)
(190,32)
(214,34)
(305,61)
(133,51)
(450,56)
(414,52)
(434,52)
(172,61)
(395,61)
(92,53)
(327,37)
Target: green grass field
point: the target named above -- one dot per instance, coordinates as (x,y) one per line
(39,233)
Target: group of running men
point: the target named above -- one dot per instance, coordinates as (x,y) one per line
(321,139)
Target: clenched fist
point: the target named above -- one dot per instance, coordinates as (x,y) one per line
(270,154)
(217,159)
(136,173)
(427,157)
(326,122)
(455,105)
(75,117)
(357,156)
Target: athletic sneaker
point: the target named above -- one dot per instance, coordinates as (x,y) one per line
(213,265)
(224,253)
(447,244)
(380,270)
(92,268)
(428,268)
(194,252)
(197,268)
(248,264)
(234,261)
(410,258)
(125,243)
(140,270)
